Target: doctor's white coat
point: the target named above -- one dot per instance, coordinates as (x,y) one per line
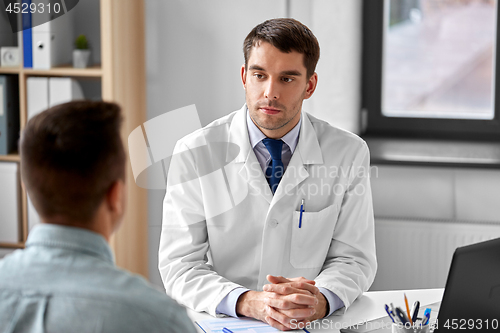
(223,228)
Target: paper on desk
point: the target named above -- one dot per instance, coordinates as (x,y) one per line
(236,325)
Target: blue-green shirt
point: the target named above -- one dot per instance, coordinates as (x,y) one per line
(66,281)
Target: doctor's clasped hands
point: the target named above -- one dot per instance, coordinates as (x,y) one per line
(285,303)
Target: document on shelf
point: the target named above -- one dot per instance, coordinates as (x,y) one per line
(236,325)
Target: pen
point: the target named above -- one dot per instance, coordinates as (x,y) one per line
(389,313)
(394,315)
(408,310)
(396,318)
(226,330)
(401,315)
(301,210)
(427,316)
(414,311)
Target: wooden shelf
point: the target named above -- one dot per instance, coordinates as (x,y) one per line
(12,245)
(94,71)
(10,158)
(10,70)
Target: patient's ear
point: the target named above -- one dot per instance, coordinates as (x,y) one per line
(115,198)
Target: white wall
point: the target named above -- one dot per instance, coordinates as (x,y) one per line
(337,26)
(194,54)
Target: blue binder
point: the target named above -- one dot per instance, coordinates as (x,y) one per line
(27,38)
(9,113)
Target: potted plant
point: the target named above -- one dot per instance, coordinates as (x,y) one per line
(81,54)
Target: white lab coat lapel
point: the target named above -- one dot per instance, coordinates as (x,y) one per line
(307,152)
(250,169)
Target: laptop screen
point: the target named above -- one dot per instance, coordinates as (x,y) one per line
(471,300)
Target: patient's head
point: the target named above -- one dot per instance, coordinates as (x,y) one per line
(73,161)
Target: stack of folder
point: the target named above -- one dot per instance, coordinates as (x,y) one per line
(45,92)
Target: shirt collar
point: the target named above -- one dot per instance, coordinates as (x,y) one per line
(291,138)
(72,238)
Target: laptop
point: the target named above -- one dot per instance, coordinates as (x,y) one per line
(471,299)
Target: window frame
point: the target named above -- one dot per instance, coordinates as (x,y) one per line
(376,124)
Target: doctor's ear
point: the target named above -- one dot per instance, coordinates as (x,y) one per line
(311,85)
(243,76)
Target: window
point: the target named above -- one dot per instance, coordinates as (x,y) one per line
(430,68)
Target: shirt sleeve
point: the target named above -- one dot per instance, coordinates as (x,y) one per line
(228,304)
(333,300)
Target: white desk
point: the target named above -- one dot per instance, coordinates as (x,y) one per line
(368,307)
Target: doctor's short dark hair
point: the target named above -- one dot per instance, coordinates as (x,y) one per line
(71,154)
(286,35)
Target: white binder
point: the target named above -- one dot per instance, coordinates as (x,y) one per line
(44,92)
(9,203)
(52,41)
(63,89)
(38,95)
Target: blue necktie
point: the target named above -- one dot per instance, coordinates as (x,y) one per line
(275,170)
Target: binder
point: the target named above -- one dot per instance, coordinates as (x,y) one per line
(38,95)
(27,37)
(52,41)
(9,203)
(44,92)
(9,114)
(63,89)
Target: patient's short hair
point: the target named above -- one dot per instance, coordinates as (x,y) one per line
(70,156)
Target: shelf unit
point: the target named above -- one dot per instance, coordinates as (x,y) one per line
(122,75)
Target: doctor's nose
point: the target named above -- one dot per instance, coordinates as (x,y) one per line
(271,91)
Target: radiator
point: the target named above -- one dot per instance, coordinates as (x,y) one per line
(415,254)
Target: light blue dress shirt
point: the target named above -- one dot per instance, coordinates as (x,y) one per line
(228,305)
(66,281)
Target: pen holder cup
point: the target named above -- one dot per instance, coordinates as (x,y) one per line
(400,328)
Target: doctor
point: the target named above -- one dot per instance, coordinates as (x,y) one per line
(282,230)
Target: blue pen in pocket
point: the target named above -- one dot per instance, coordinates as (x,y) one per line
(301,211)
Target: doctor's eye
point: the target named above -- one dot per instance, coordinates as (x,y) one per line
(287,79)
(258,76)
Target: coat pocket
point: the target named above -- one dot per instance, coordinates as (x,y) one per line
(310,242)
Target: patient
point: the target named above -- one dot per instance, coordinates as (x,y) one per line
(73,167)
